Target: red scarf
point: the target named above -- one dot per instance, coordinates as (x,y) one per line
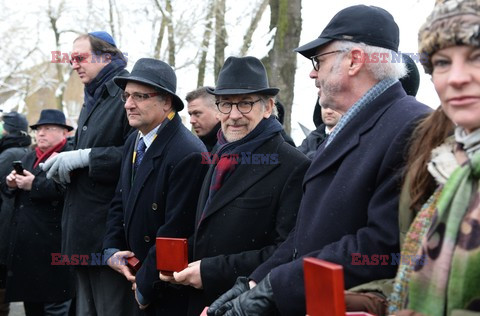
(42,156)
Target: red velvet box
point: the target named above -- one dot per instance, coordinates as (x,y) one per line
(134,264)
(172,254)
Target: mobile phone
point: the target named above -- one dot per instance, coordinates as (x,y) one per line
(18,166)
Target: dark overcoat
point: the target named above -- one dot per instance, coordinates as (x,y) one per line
(159,202)
(350,200)
(104,129)
(249,216)
(35,235)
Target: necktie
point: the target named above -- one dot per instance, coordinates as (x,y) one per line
(140,153)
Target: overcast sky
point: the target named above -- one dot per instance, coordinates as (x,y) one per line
(409,15)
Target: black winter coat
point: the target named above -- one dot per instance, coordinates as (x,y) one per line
(350,200)
(104,129)
(160,202)
(250,215)
(35,235)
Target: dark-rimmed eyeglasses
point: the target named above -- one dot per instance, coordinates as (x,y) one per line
(243,107)
(316,62)
(138,97)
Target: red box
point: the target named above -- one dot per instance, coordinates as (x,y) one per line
(323,288)
(172,254)
(134,264)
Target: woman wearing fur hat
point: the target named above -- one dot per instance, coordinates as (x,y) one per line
(444,236)
(445,281)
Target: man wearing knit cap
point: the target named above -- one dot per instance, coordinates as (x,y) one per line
(91,173)
(350,192)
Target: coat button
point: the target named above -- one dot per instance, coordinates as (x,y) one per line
(154,206)
(84,128)
(146,238)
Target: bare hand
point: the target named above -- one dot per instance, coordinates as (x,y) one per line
(11,183)
(134,288)
(189,276)
(118,262)
(24,182)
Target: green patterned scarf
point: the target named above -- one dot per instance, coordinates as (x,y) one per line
(450,277)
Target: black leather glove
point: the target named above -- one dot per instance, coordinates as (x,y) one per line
(257,301)
(240,286)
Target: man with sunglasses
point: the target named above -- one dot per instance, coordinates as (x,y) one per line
(90,173)
(250,196)
(351,191)
(160,180)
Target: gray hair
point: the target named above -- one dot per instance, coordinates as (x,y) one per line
(379,70)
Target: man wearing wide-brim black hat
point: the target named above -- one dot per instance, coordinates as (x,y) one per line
(250,196)
(351,191)
(36,233)
(161,176)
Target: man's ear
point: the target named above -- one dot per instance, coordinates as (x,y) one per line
(168,105)
(268,108)
(357,60)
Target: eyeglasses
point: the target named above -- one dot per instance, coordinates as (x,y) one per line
(243,107)
(316,62)
(81,58)
(45,129)
(138,97)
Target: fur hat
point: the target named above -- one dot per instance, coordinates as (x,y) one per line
(451,23)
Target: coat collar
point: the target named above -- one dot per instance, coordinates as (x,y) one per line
(349,137)
(244,177)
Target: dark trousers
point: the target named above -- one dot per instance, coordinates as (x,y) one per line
(47,309)
(103,292)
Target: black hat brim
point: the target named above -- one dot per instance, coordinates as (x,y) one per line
(310,49)
(68,127)
(122,81)
(269,91)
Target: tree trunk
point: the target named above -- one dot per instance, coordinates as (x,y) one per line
(247,39)
(111,4)
(171,37)
(61,84)
(220,37)
(205,44)
(281,61)
(158,45)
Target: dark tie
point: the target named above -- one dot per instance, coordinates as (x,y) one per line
(140,153)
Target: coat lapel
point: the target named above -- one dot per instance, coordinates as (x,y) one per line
(153,153)
(244,177)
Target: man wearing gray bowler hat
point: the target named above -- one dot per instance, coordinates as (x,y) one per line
(250,196)
(351,190)
(160,179)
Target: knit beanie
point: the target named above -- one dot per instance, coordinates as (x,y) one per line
(451,23)
(13,122)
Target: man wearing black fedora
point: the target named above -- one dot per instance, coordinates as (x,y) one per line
(250,196)
(159,183)
(351,190)
(36,232)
